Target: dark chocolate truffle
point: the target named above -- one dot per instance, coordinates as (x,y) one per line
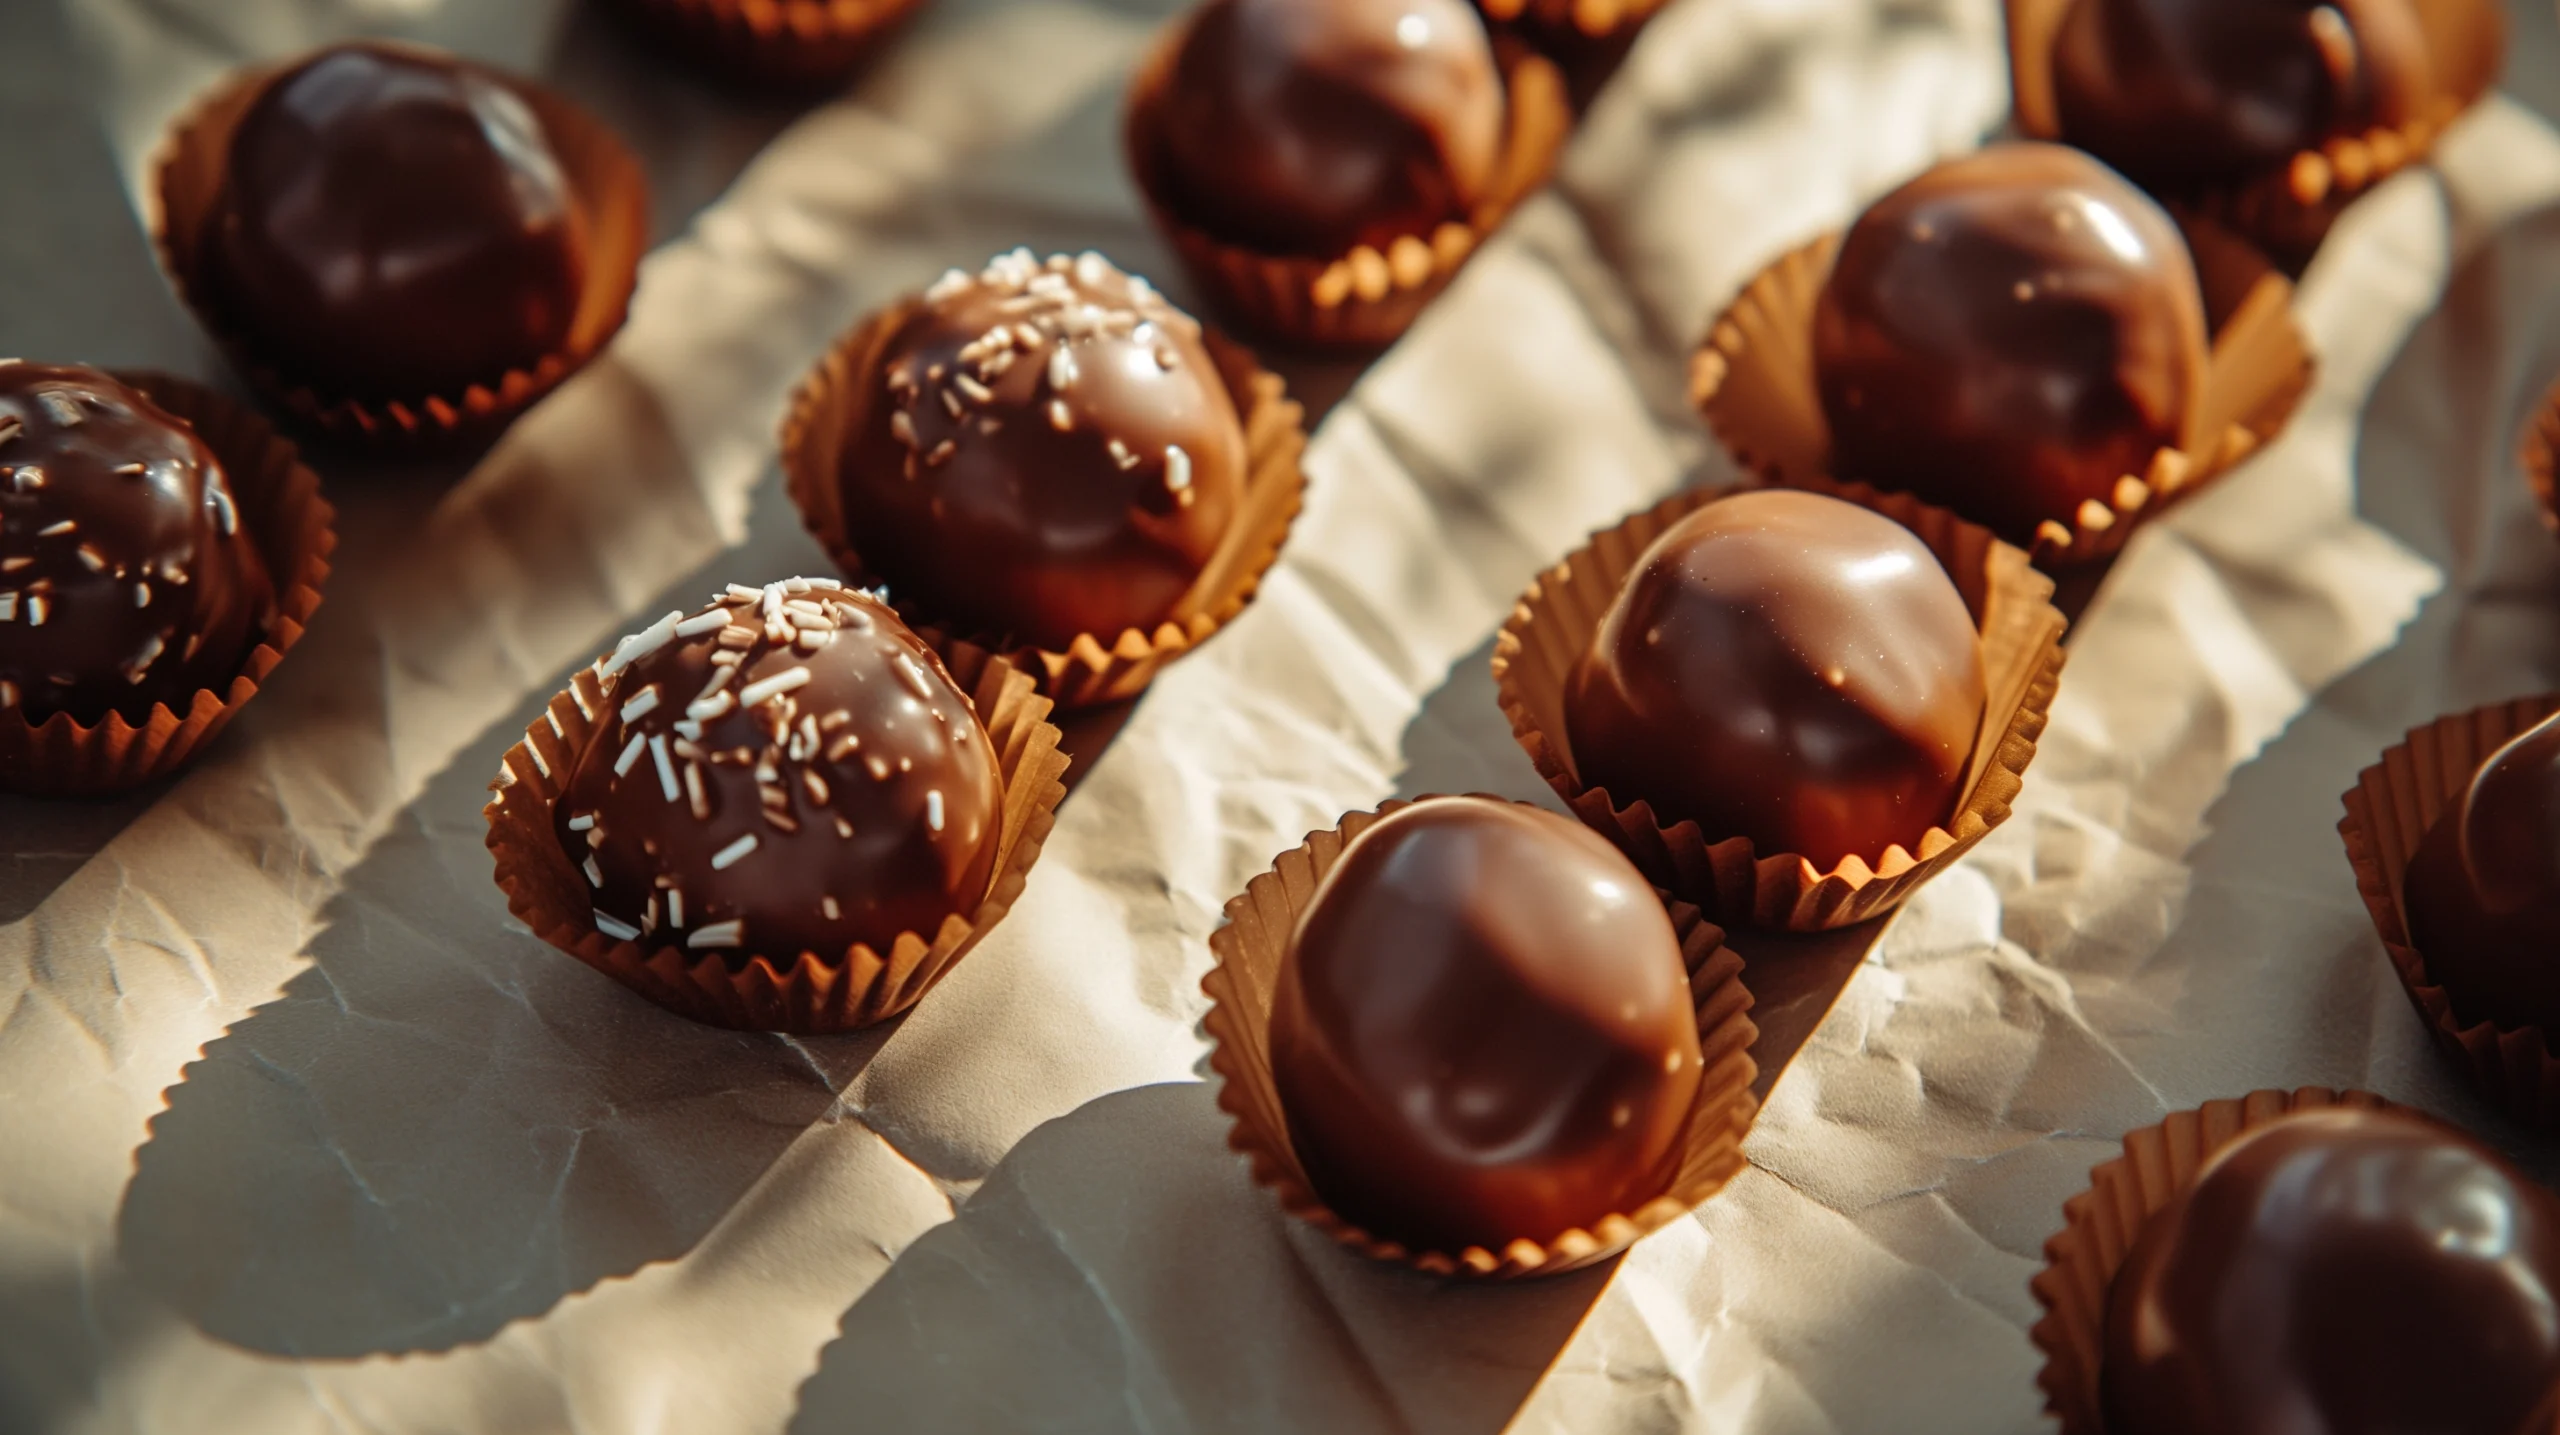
(789,770)
(2483,892)
(2339,1273)
(2013,335)
(1483,1030)
(1312,126)
(395,225)
(2185,92)
(1785,667)
(1051,452)
(126,576)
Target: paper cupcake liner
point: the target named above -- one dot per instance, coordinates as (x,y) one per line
(802,994)
(1591,19)
(1727,876)
(2288,209)
(294,529)
(798,45)
(2389,810)
(826,418)
(1364,299)
(1753,380)
(2541,457)
(1249,950)
(2100,1225)
(184,209)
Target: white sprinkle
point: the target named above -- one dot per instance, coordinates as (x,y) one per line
(1062,369)
(618,930)
(712,706)
(1092,269)
(977,392)
(772,596)
(131,470)
(694,796)
(666,769)
(952,282)
(743,592)
(581,824)
(828,906)
(726,857)
(37,607)
(92,559)
(595,874)
(933,809)
(718,934)
(8,607)
(152,648)
(902,427)
(12,565)
(1121,456)
(641,644)
(687,729)
(760,691)
(675,906)
(57,530)
(642,705)
(1059,418)
(1177,468)
(8,693)
(710,620)
(142,595)
(630,754)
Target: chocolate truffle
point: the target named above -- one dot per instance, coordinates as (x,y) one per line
(1312,126)
(1785,667)
(789,770)
(126,576)
(1483,1030)
(394,224)
(2339,1273)
(1051,452)
(2185,92)
(2483,892)
(2013,335)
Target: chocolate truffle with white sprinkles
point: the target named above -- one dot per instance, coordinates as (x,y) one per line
(126,576)
(789,770)
(1052,452)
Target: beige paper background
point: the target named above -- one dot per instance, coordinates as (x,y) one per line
(297,1133)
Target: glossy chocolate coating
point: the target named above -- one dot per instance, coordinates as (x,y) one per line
(2483,892)
(1483,1030)
(2185,92)
(1051,452)
(2339,1273)
(2008,336)
(395,225)
(1785,667)
(126,576)
(807,777)
(1312,126)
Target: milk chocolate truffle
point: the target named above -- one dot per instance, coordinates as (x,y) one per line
(2011,335)
(789,770)
(1785,667)
(2339,1272)
(2184,92)
(1312,126)
(1483,1030)
(1052,452)
(394,224)
(126,576)
(2482,894)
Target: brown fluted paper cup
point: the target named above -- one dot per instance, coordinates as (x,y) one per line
(185,206)
(1736,884)
(2100,1225)
(833,403)
(2541,457)
(801,993)
(294,529)
(797,45)
(2389,810)
(1593,19)
(1364,299)
(1753,379)
(1249,951)
(2288,210)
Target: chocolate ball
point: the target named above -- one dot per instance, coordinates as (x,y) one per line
(1483,1030)
(2483,892)
(394,224)
(127,578)
(788,770)
(1051,452)
(1313,126)
(1785,667)
(2339,1273)
(2187,92)
(2011,335)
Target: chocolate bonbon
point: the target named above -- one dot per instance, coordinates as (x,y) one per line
(1786,667)
(127,576)
(1483,1029)
(2482,893)
(2014,335)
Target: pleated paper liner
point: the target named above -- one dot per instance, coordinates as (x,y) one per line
(1535,653)
(827,416)
(294,530)
(2288,209)
(184,210)
(2099,1227)
(1594,19)
(803,993)
(1364,299)
(801,46)
(2389,810)
(2541,457)
(1753,379)
(1249,950)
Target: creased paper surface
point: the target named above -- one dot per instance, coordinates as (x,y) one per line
(299,1133)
